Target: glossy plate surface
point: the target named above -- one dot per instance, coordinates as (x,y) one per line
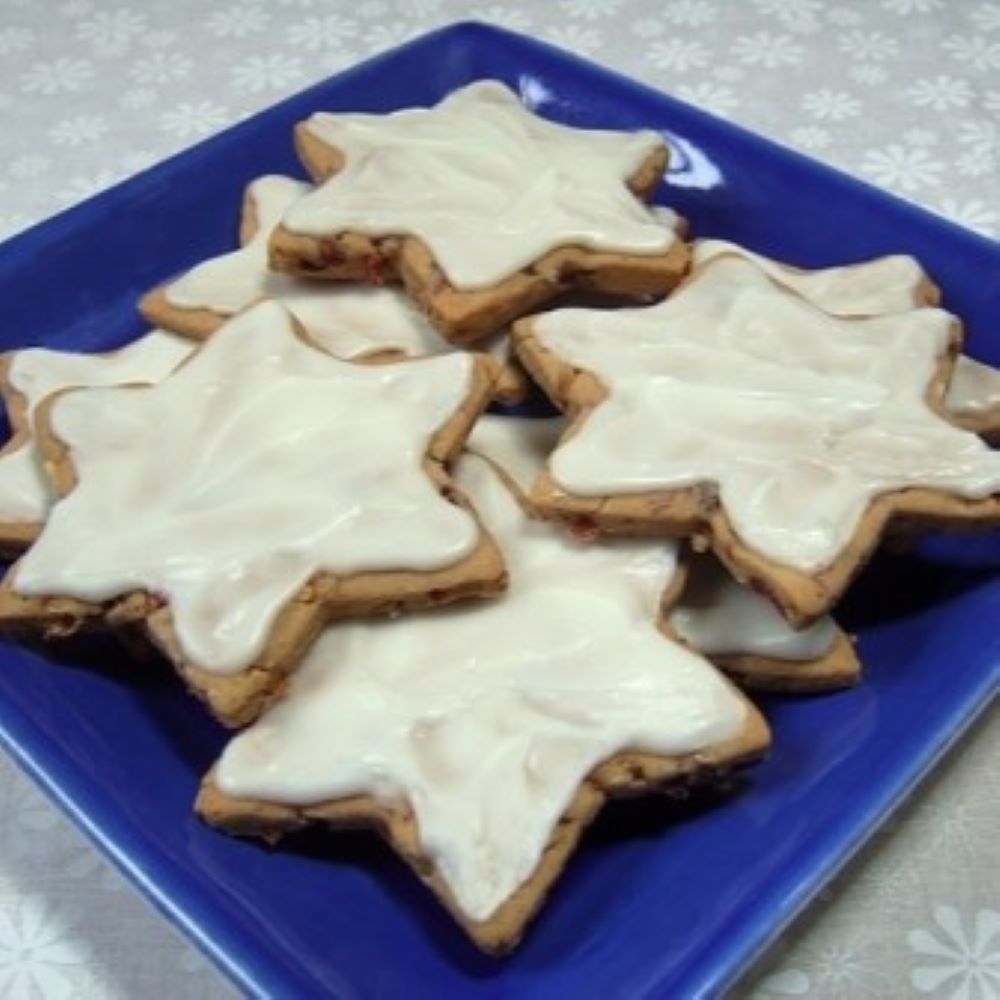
(661,900)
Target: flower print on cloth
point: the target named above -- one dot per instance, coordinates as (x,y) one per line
(62,75)
(110,32)
(902,169)
(78,129)
(959,958)
(39,954)
(194,118)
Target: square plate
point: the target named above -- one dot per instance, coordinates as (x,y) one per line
(661,900)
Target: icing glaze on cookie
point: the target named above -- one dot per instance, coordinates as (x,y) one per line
(800,418)
(877,287)
(667,217)
(230,283)
(349,321)
(718,617)
(484,720)
(519,446)
(25,494)
(255,465)
(715,614)
(872,288)
(974,388)
(487,185)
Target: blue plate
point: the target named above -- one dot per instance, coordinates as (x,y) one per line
(661,900)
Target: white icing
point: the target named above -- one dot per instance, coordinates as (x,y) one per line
(25,493)
(974,390)
(230,283)
(667,217)
(255,465)
(871,288)
(518,445)
(487,185)
(801,418)
(347,320)
(485,719)
(715,614)
(718,617)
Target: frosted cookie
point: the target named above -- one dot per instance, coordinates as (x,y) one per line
(481,209)
(881,287)
(893,284)
(743,634)
(741,414)
(26,377)
(739,630)
(668,217)
(349,321)
(973,398)
(260,490)
(482,740)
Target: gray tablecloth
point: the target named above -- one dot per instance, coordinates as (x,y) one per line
(903,92)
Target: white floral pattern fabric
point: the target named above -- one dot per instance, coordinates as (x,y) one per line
(905,93)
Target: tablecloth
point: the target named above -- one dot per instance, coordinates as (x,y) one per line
(905,93)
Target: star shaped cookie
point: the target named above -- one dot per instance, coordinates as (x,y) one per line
(745,635)
(258,491)
(973,398)
(483,210)
(482,740)
(353,322)
(26,378)
(736,628)
(881,287)
(738,412)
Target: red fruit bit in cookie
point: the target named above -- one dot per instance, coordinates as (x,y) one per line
(584,529)
(437,595)
(330,254)
(375,269)
(450,494)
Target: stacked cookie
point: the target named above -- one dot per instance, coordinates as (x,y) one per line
(469,631)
